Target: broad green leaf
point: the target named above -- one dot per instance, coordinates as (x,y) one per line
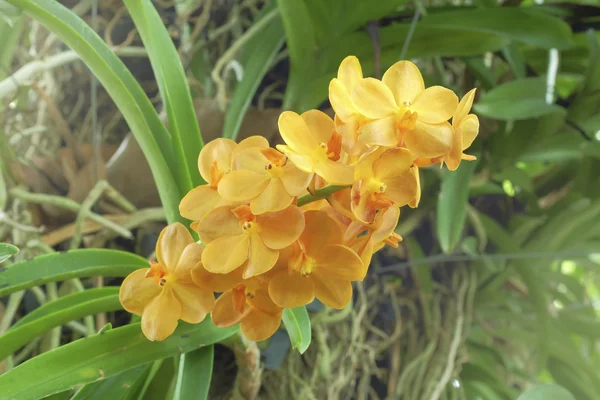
(256,61)
(7,251)
(452,205)
(547,392)
(119,387)
(123,88)
(174,90)
(67,301)
(161,386)
(17,337)
(527,24)
(194,374)
(100,357)
(297,323)
(301,43)
(519,99)
(72,264)
(513,55)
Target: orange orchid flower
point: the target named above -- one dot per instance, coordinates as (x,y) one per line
(313,145)
(466,128)
(320,266)
(248,304)
(235,235)
(404,112)
(165,292)
(265,178)
(383,179)
(214,162)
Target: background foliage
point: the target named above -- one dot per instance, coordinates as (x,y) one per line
(495,289)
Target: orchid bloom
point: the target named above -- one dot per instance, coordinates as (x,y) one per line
(404,112)
(165,292)
(320,266)
(214,162)
(466,128)
(383,179)
(347,118)
(265,178)
(313,145)
(248,304)
(235,235)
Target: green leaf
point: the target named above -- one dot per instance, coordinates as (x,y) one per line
(72,264)
(195,373)
(100,357)
(119,387)
(301,43)
(123,88)
(174,90)
(260,53)
(18,336)
(547,392)
(67,302)
(519,99)
(7,251)
(527,24)
(452,205)
(297,323)
(587,101)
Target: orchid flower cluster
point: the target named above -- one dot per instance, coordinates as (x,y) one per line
(281,227)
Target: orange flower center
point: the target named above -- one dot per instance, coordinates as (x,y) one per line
(246,218)
(406,120)
(158,272)
(276,162)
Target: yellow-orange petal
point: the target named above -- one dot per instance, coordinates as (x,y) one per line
(302,162)
(362,209)
(191,256)
(435,105)
(170,245)
(253,141)
(350,72)
(365,164)
(320,125)
(216,282)
(251,159)
(415,202)
(381,132)
(217,223)
(349,132)
(226,253)
(339,97)
(405,81)
(160,317)
(296,134)
(295,181)
(320,230)
(391,163)
(335,173)
(340,262)
(464,106)
(218,150)
(273,198)
(137,291)
(243,185)
(401,188)
(281,229)
(386,223)
(469,128)
(258,326)
(289,290)
(200,200)
(373,99)
(224,313)
(429,140)
(261,258)
(195,302)
(333,293)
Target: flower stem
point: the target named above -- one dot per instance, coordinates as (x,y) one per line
(320,194)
